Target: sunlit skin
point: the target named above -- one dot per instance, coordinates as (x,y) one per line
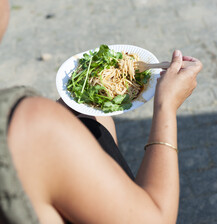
(68,176)
(4,16)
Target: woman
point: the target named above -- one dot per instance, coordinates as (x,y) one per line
(67,175)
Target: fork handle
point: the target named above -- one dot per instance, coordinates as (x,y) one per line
(166,65)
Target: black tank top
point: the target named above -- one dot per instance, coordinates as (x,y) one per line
(107,142)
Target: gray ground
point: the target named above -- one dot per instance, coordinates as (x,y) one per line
(64,28)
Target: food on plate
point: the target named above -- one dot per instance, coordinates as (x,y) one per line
(107,80)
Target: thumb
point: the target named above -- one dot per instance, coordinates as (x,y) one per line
(176,62)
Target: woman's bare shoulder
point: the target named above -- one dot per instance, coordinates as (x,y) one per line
(61,164)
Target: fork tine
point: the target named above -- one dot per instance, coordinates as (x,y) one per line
(136,65)
(139,65)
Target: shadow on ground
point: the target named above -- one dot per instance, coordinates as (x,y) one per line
(197,140)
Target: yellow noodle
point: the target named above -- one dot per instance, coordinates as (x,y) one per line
(121,80)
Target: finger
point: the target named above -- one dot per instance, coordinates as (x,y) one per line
(196,63)
(189,58)
(162,73)
(186,64)
(191,71)
(193,67)
(176,62)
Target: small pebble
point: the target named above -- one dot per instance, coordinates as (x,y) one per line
(49,16)
(45,57)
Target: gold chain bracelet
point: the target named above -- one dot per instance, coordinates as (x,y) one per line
(160,143)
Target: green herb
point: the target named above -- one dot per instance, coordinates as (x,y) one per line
(91,65)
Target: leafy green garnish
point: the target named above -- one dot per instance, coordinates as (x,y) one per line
(120,102)
(91,65)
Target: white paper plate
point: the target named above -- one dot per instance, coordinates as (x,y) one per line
(69,65)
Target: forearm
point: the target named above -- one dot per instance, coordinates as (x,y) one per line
(158,174)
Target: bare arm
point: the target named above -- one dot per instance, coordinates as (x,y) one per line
(158,173)
(62,166)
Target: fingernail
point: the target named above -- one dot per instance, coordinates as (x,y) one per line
(176,53)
